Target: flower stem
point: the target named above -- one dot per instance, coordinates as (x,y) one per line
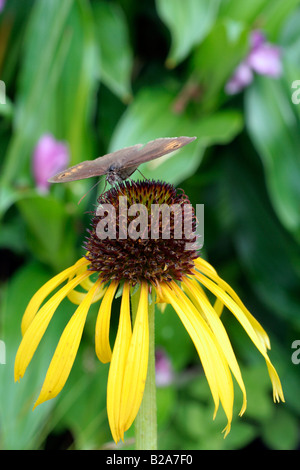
(146,420)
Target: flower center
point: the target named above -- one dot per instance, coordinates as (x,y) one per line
(142,231)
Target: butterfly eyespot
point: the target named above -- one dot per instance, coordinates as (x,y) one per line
(173,145)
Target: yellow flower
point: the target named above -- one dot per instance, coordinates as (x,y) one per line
(180,278)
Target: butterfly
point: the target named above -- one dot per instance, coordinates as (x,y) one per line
(120,165)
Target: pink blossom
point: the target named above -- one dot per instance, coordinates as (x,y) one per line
(241,78)
(2,4)
(257,38)
(163,369)
(263,58)
(50,156)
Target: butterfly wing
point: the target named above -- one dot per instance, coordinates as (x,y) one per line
(129,157)
(152,150)
(89,168)
(81,171)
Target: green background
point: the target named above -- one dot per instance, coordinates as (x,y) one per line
(102,75)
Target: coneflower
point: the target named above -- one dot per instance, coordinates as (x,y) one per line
(147,259)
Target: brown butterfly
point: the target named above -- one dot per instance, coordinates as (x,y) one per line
(119,165)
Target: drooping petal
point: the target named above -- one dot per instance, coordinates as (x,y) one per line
(77,297)
(218,307)
(202,263)
(211,355)
(38,326)
(135,372)
(65,353)
(46,289)
(117,366)
(247,325)
(102,344)
(212,318)
(220,363)
(205,268)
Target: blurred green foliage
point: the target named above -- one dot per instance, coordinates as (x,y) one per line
(102,75)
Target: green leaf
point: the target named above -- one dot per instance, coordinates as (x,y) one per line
(269,255)
(242,11)
(81,407)
(77,86)
(189,22)
(212,66)
(20,427)
(41,46)
(7,108)
(114,48)
(166,402)
(274,15)
(169,333)
(290,43)
(273,127)
(268,16)
(281,431)
(8,197)
(56,97)
(50,232)
(151,116)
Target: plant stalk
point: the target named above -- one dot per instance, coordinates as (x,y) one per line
(146,420)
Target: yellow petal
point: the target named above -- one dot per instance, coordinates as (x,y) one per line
(210,272)
(201,301)
(46,289)
(37,327)
(161,306)
(117,366)
(218,307)
(247,324)
(77,297)
(211,355)
(65,353)
(202,263)
(102,344)
(135,372)
(87,284)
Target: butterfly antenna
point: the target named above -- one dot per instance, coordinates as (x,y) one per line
(141,174)
(132,181)
(105,184)
(90,190)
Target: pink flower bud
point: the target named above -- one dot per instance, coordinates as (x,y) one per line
(263,58)
(2,4)
(241,78)
(163,369)
(50,156)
